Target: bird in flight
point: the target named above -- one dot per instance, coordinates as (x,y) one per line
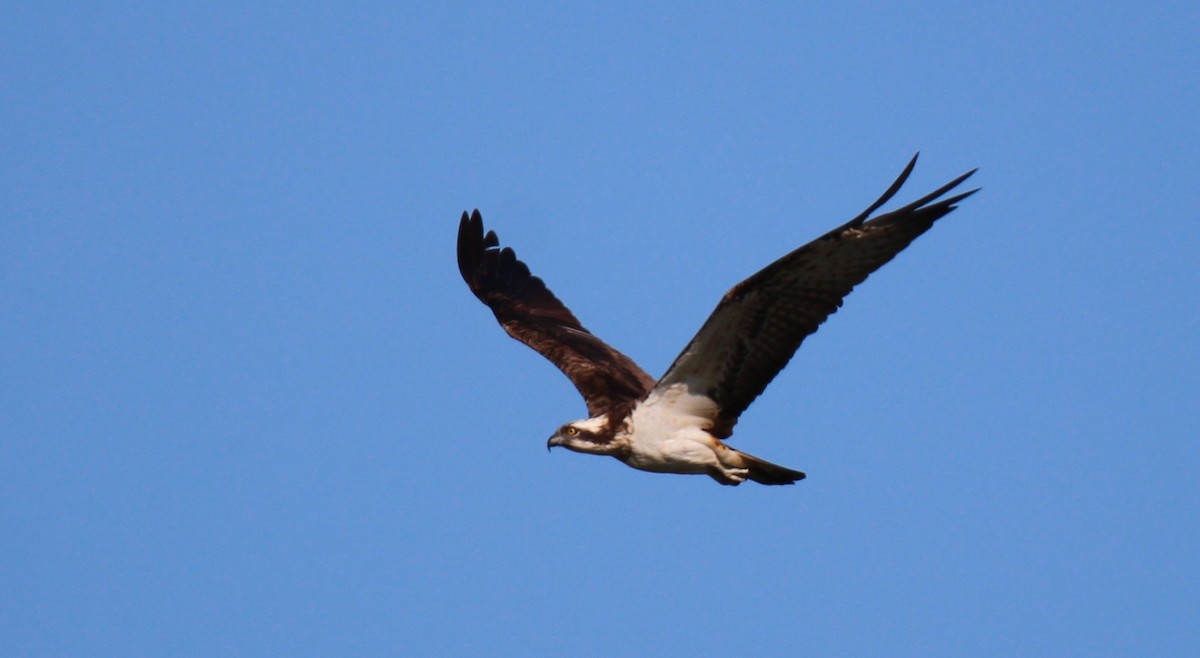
(679,423)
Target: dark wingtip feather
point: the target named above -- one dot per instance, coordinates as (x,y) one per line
(885,197)
(470,236)
(942,190)
(473,244)
(959,197)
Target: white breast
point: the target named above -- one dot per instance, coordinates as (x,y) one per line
(666,432)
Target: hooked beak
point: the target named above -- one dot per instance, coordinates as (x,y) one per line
(554,441)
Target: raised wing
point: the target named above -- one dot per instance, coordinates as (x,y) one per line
(760,322)
(529,312)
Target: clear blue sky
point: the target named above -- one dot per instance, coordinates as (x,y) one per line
(248,407)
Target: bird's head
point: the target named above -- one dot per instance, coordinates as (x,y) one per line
(586,435)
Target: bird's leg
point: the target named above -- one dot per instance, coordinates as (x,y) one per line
(729,476)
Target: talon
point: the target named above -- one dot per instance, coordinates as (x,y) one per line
(738,475)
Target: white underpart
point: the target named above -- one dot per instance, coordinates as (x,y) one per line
(666,434)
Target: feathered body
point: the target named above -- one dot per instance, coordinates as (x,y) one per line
(678,423)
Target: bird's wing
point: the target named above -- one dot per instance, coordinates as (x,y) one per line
(760,322)
(529,312)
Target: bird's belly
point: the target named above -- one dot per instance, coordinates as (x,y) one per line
(673,455)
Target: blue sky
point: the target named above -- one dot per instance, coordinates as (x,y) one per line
(249,408)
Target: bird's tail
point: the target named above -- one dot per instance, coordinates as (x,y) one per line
(764,472)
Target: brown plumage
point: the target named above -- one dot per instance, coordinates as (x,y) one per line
(749,337)
(759,324)
(529,312)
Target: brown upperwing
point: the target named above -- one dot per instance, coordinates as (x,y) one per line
(760,322)
(529,312)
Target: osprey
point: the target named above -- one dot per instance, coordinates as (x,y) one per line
(678,423)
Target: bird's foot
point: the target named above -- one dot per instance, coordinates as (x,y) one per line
(729,476)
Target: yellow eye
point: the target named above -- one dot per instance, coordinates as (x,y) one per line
(571,431)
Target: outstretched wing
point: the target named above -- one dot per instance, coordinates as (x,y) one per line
(760,322)
(529,312)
